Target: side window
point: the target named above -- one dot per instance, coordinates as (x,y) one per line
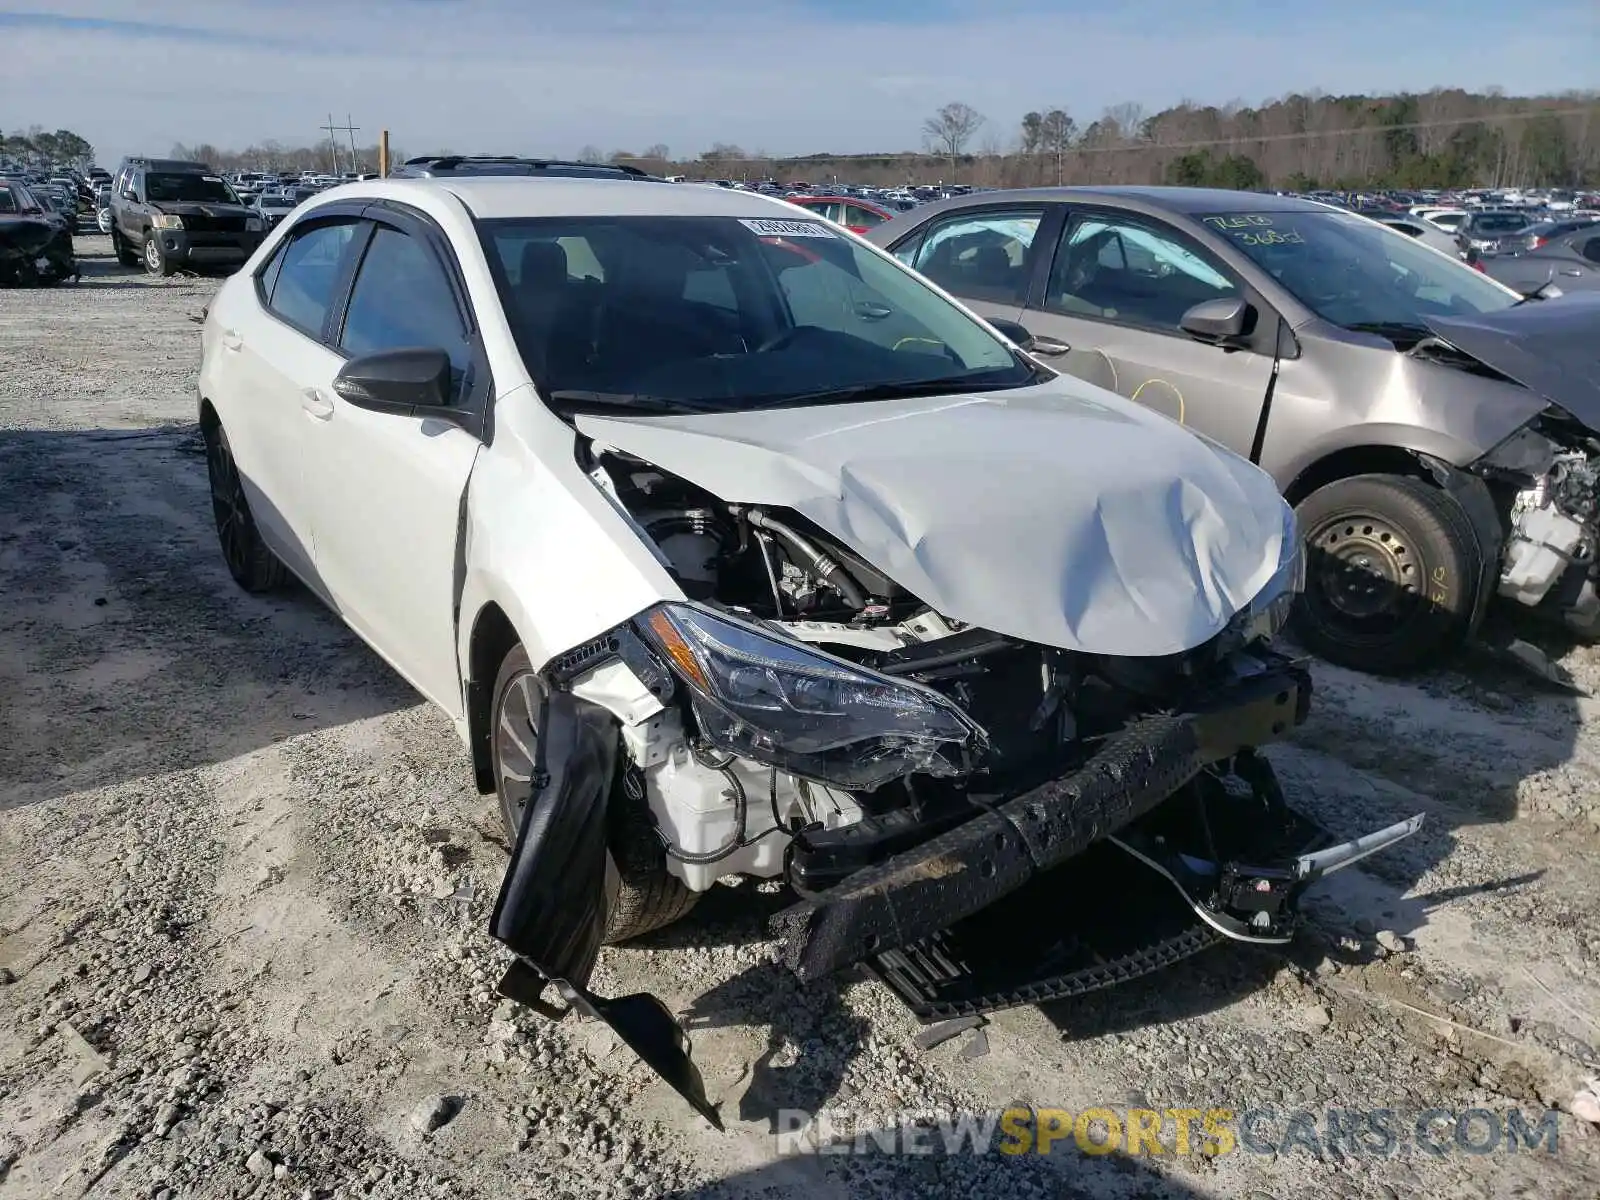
(862,218)
(302,291)
(267,276)
(981,256)
(1591,250)
(402,298)
(1121,270)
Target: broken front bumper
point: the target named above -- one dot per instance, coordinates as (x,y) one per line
(957,874)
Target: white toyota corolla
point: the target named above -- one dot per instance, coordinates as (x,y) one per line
(733,547)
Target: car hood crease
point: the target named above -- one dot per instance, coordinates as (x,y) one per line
(1547,346)
(1069,519)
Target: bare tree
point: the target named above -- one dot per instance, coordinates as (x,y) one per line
(658,152)
(950,129)
(592,154)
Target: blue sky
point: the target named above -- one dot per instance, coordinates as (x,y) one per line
(783,76)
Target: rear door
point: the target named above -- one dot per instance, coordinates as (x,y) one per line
(273,335)
(386,490)
(985,255)
(1116,290)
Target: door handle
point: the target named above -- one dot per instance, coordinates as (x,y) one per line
(316,404)
(1571,271)
(231,340)
(1050,346)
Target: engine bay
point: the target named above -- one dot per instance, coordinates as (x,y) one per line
(1042,711)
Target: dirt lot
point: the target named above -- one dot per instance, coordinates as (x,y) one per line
(246,882)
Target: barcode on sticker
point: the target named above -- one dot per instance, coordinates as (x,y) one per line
(777,227)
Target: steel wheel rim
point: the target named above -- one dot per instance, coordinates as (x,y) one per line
(152,254)
(1367,569)
(228,505)
(516,747)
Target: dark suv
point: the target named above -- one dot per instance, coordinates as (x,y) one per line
(170,214)
(435,166)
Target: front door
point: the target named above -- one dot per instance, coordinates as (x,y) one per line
(385,489)
(1116,292)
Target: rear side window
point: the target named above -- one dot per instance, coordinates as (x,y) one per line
(403,299)
(981,256)
(305,275)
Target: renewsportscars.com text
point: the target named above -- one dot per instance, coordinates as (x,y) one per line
(1362,1133)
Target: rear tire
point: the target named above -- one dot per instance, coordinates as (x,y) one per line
(253,566)
(643,895)
(119,247)
(1392,573)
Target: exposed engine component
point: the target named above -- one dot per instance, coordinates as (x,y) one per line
(1553,528)
(693,541)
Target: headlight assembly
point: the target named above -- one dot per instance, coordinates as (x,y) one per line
(253,225)
(166,221)
(1266,615)
(779,702)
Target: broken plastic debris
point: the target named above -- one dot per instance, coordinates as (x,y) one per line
(938,1035)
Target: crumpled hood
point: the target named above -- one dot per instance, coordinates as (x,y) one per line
(197,208)
(1548,346)
(1060,514)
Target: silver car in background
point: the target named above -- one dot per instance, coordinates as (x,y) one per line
(1435,430)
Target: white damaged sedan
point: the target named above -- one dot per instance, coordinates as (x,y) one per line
(733,547)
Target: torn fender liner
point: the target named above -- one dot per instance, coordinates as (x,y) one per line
(963,871)
(552,906)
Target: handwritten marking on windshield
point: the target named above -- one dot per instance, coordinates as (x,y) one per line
(1253,229)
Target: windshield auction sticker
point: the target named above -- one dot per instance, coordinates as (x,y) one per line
(777,227)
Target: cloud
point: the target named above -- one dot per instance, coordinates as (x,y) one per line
(784,76)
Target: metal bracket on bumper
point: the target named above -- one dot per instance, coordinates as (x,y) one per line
(922,891)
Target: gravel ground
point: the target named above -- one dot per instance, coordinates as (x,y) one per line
(242,916)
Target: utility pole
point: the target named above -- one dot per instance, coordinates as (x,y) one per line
(333,142)
(355,162)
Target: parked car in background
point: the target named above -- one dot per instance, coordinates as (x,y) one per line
(1489,230)
(169,215)
(1568,262)
(1541,232)
(1390,390)
(854,213)
(273,207)
(35,240)
(1424,232)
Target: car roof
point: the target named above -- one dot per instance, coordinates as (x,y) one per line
(494,197)
(1184,201)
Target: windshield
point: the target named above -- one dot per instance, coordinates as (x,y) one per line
(1358,273)
(717,313)
(10,201)
(184,187)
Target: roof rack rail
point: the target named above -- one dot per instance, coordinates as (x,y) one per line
(451,162)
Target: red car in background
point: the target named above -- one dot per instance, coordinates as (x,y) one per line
(852,212)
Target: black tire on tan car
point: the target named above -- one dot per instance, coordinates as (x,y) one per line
(1392,571)
(253,566)
(643,894)
(119,247)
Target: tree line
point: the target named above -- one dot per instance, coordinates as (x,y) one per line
(37,148)
(1444,138)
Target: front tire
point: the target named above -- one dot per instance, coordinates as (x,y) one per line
(253,566)
(156,261)
(643,895)
(1392,573)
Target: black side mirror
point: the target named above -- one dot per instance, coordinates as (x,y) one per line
(1015,331)
(1224,319)
(413,381)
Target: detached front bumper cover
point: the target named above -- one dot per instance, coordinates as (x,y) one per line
(924,890)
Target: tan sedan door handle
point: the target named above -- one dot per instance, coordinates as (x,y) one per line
(1050,346)
(316,404)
